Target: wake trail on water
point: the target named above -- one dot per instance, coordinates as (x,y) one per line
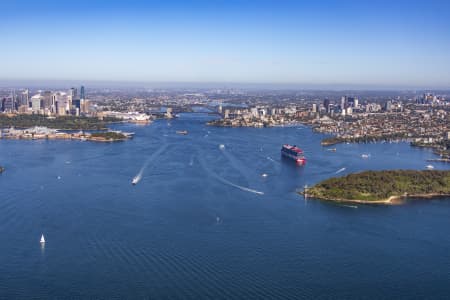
(147,162)
(236,163)
(340,170)
(227,182)
(239,186)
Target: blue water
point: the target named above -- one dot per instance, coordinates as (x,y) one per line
(204,223)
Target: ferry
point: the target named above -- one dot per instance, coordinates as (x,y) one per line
(293,152)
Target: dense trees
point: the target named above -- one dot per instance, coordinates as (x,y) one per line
(378,185)
(62,122)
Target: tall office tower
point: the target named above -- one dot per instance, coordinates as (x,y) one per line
(350,102)
(343,102)
(25,98)
(85,106)
(82,96)
(8,105)
(326,104)
(53,105)
(36,103)
(73,93)
(356,103)
(47,99)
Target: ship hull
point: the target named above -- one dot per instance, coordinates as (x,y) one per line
(294,153)
(300,161)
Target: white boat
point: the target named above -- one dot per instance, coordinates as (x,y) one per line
(264,175)
(365,155)
(430,167)
(42,239)
(135,180)
(222,146)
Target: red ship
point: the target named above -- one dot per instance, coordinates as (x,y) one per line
(293,152)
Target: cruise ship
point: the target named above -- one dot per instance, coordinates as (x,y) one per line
(293,152)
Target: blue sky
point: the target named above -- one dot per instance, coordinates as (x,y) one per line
(309,43)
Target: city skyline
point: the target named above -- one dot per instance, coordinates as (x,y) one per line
(331,44)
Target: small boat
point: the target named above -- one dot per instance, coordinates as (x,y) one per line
(182,132)
(430,167)
(222,146)
(135,180)
(264,175)
(332,149)
(42,239)
(365,155)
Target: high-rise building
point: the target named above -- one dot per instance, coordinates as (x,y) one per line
(326,104)
(9,105)
(350,102)
(25,98)
(36,103)
(82,96)
(47,99)
(73,93)
(343,102)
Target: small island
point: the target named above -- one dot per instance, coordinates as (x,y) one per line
(383,187)
(108,136)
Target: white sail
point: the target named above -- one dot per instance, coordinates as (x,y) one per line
(42,239)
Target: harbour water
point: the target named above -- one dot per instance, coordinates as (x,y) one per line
(203,222)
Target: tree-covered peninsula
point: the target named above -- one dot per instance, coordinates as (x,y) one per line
(383,186)
(61,122)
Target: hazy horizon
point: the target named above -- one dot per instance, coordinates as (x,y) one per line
(60,84)
(327,44)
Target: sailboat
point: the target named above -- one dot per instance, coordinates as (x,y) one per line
(42,239)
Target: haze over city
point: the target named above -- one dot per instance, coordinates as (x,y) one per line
(304,44)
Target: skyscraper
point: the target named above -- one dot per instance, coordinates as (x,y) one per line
(73,93)
(326,104)
(82,96)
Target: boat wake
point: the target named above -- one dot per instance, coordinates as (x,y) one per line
(227,182)
(139,175)
(243,188)
(350,206)
(340,170)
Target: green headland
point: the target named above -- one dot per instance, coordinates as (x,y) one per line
(383,187)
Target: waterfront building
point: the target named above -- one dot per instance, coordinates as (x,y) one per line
(169,113)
